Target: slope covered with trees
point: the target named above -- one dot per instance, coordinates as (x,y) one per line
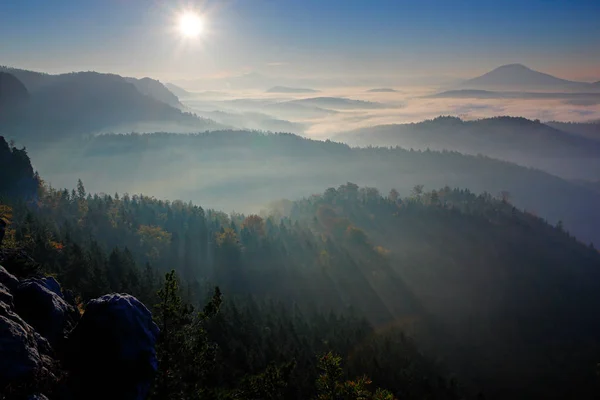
(240,346)
(504,300)
(244,171)
(155,89)
(567,150)
(12,91)
(17,178)
(76,104)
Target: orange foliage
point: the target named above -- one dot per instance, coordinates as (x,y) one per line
(254,224)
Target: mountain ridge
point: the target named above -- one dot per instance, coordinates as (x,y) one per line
(382,90)
(12,92)
(176,90)
(35,81)
(516,139)
(155,89)
(83,103)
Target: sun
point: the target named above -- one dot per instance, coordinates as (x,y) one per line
(190,25)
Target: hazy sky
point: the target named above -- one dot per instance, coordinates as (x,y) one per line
(322,38)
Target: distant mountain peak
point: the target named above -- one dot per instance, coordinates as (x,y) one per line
(515,66)
(520,77)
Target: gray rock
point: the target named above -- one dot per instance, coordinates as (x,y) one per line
(113,342)
(52,285)
(21,361)
(40,303)
(7,279)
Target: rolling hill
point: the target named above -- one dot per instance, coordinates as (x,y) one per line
(156,90)
(281,109)
(504,300)
(285,89)
(382,90)
(483,284)
(177,91)
(567,97)
(12,93)
(590,130)
(519,140)
(337,103)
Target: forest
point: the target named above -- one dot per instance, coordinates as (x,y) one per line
(234,171)
(440,294)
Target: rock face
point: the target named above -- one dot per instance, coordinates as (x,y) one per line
(6,296)
(41,303)
(8,279)
(24,354)
(114,342)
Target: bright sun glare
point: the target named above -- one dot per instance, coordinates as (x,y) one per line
(190,25)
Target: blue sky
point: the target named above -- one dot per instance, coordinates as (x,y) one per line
(323,38)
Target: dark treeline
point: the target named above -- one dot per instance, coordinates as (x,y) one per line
(504,299)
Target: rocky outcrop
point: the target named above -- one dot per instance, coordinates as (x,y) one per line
(24,355)
(108,353)
(8,279)
(114,342)
(41,303)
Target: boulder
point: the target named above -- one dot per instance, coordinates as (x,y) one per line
(41,304)
(8,279)
(113,342)
(52,285)
(24,356)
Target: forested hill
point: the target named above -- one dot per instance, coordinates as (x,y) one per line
(510,297)
(567,150)
(269,346)
(506,301)
(83,103)
(243,171)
